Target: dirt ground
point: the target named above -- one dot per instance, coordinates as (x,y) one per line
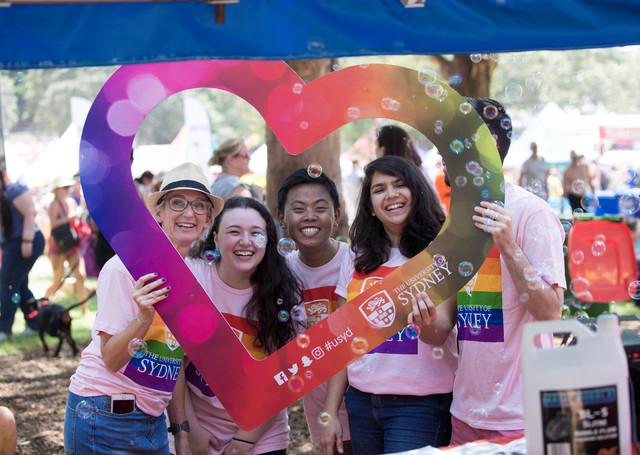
(35,388)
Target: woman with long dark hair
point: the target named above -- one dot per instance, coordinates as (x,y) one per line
(258,295)
(22,243)
(400,392)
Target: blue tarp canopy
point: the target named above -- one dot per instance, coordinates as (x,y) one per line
(74,34)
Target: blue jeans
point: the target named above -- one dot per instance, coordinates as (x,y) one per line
(91,429)
(14,279)
(396,423)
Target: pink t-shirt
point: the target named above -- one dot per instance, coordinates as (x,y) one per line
(211,414)
(487,392)
(152,377)
(400,365)
(320,300)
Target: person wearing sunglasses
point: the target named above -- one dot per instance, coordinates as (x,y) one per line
(233,156)
(117,397)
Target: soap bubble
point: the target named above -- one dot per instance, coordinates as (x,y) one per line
(308,374)
(465,108)
(497,388)
(359,345)
(478,181)
(304,125)
(634,290)
(578,186)
(600,238)
(259,240)
(589,202)
(598,248)
(279,301)
(298,313)
(15,298)
(465,268)
(427,76)
(437,353)
(490,112)
(494,57)
(474,330)
(389,104)
(513,91)
(536,186)
(579,285)
(629,204)
(137,348)
(286,246)
(532,82)
(211,256)
(297,88)
(566,226)
(456,146)
(439,259)
(412,331)
(314,170)
(283,315)
(461,180)
(84,410)
(577,257)
(296,383)
(353,112)
(503,353)
(566,311)
(476,58)
(434,90)
(324,419)
(505,123)
(477,417)
(455,79)
(303,340)
(524,297)
(535,284)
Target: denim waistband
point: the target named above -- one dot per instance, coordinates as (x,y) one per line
(100,402)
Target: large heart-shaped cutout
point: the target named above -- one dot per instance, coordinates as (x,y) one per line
(299,114)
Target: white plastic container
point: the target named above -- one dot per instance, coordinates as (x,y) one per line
(576,398)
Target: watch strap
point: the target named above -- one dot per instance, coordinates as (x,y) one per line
(176,427)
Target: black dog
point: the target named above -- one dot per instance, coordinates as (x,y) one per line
(55,320)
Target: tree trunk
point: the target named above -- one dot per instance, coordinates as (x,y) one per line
(476,77)
(325,152)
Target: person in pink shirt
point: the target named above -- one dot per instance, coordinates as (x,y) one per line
(132,353)
(259,297)
(309,210)
(399,393)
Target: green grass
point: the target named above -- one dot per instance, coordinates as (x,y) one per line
(39,280)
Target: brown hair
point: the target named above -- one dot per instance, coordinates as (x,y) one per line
(227,148)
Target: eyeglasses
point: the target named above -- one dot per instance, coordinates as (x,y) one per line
(180,204)
(245,156)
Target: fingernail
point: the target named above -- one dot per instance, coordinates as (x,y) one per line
(168,288)
(155,274)
(163,280)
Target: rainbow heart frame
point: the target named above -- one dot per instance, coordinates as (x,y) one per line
(299,114)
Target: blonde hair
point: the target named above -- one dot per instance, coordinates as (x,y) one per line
(227,148)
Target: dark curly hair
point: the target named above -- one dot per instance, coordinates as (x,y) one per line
(272,280)
(369,240)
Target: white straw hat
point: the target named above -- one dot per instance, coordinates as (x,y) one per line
(187,176)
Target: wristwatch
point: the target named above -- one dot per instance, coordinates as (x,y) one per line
(175,427)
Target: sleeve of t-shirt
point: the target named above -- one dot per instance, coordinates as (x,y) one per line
(346,274)
(542,243)
(116,307)
(14,190)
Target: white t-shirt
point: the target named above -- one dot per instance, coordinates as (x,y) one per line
(400,365)
(211,414)
(152,377)
(487,391)
(320,300)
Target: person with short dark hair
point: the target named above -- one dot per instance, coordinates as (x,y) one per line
(309,209)
(522,280)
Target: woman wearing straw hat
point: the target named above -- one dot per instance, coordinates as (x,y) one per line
(62,210)
(113,363)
